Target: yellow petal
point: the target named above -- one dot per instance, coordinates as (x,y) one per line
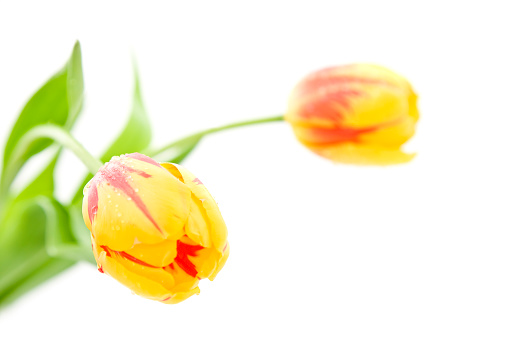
(139,202)
(158,255)
(359,114)
(364,154)
(180,296)
(222,262)
(151,283)
(215,227)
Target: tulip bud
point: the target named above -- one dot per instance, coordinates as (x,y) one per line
(358,114)
(155,227)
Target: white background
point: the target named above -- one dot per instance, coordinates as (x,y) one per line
(317,250)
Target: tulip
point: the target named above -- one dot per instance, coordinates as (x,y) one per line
(358,114)
(154,227)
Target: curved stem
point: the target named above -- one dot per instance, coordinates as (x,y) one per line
(201,134)
(50,131)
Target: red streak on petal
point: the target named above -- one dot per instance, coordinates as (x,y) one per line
(225,247)
(332,76)
(114,174)
(100,269)
(92,202)
(184,251)
(127,256)
(139,172)
(197,181)
(144,158)
(330,106)
(337,135)
(327,93)
(107,250)
(343,134)
(167,298)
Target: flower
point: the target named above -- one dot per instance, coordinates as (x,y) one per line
(155,227)
(358,114)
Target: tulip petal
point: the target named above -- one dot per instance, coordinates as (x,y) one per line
(359,154)
(151,283)
(155,229)
(196,228)
(159,255)
(198,224)
(180,296)
(222,261)
(141,203)
(183,281)
(358,114)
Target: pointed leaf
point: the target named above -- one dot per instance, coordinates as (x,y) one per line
(46,270)
(137,132)
(58,101)
(185,148)
(135,136)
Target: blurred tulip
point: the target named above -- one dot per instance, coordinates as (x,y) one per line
(358,114)
(155,227)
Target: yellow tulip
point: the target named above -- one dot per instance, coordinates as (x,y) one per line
(155,227)
(358,114)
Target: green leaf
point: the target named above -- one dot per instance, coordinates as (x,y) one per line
(44,184)
(22,244)
(60,240)
(36,243)
(75,85)
(137,133)
(58,101)
(78,227)
(135,136)
(48,269)
(185,147)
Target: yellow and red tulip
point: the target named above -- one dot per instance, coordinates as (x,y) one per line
(155,227)
(359,114)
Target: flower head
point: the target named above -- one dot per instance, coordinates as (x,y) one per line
(359,114)
(155,227)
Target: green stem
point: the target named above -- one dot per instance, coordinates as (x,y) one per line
(203,133)
(50,131)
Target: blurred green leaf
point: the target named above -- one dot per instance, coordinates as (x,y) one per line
(75,85)
(46,270)
(44,184)
(78,227)
(22,244)
(36,243)
(58,101)
(135,136)
(185,147)
(60,240)
(137,133)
